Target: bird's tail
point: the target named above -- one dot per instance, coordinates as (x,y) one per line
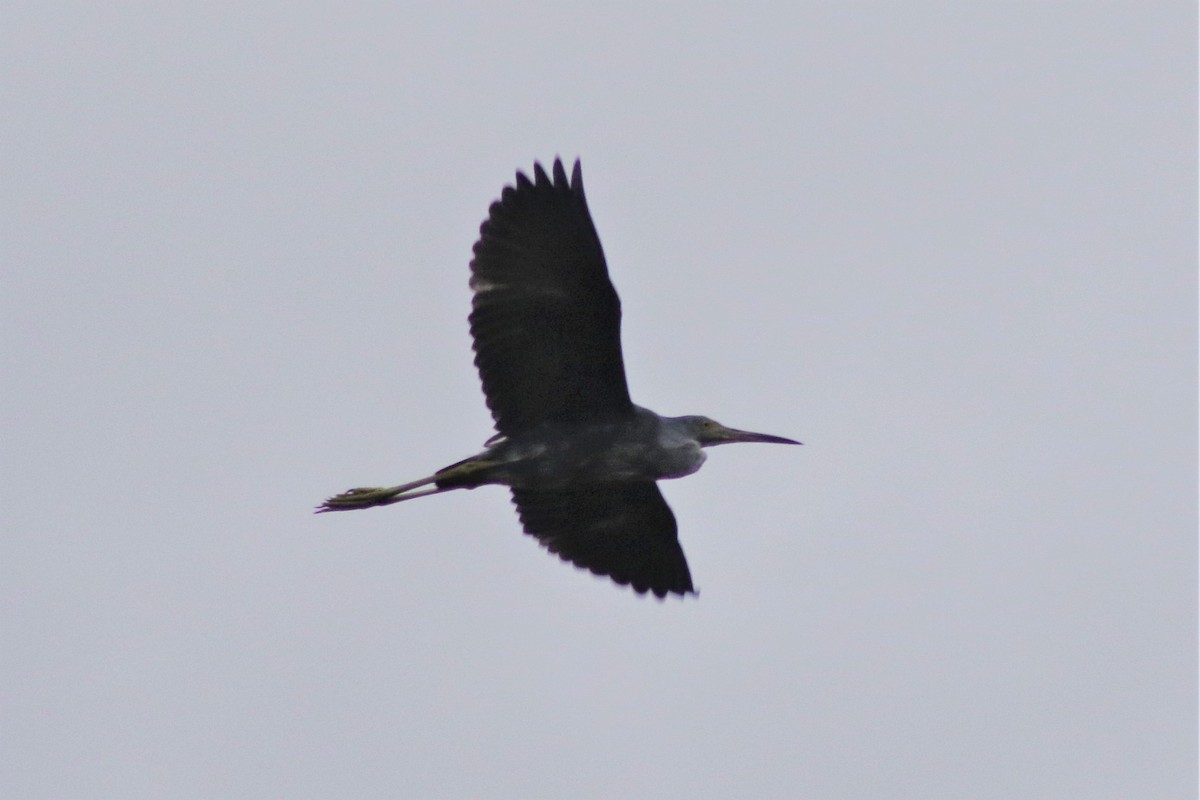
(466,474)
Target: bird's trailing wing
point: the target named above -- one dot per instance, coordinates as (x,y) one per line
(623,530)
(545,316)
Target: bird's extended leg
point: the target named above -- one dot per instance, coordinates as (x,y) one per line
(463,475)
(385,496)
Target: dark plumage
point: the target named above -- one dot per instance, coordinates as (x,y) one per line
(546,319)
(580,458)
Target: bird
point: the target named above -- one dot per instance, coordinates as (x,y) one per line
(581,460)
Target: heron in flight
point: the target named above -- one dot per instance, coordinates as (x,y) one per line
(580,458)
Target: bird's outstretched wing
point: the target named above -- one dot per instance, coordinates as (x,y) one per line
(623,530)
(545,317)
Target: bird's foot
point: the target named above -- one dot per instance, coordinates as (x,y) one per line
(358,498)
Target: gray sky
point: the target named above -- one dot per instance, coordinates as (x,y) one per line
(951,247)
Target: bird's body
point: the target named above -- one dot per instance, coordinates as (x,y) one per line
(580,458)
(646,447)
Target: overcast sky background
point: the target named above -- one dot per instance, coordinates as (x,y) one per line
(951,247)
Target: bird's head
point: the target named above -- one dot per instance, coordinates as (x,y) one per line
(709,432)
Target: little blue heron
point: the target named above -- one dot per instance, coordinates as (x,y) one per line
(580,458)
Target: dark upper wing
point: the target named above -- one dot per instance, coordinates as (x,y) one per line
(546,319)
(623,530)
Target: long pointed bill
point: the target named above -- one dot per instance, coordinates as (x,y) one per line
(730,435)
